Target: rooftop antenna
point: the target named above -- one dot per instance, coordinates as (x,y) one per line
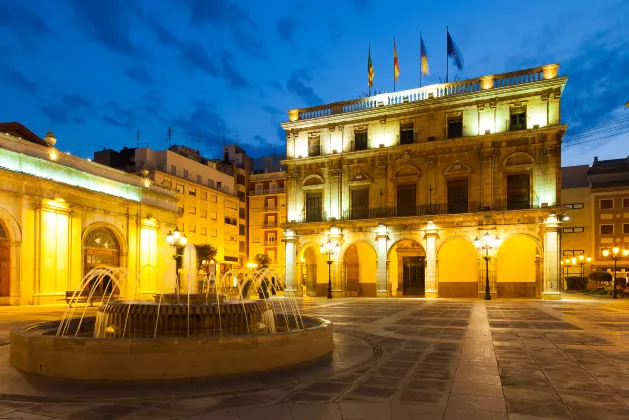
(170,136)
(137,139)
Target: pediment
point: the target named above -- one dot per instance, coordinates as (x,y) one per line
(360,177)
(407,170)
(458,168)
(313,182)
(518,161)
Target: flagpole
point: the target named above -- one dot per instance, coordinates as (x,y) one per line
(394,52)
(368,69)
(446,54)
(420,59)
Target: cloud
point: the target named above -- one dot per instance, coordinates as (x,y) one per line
(272,110)
(203,120)
(297,84)
(249,45)
(138,74)
(230,73)
(286,29)
(66,109)
(118,116)
(109,23)
(154,105)
(17,79)
(27,27)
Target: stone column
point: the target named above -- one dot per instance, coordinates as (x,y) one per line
(552,248)
(382,277)
(290,240)
(431,261)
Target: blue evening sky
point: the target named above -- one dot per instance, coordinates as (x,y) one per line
(97,71)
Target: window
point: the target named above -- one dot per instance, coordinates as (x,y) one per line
(360,203)
(213,215)
(457,196)
(406,200)
(192,210)
(241,213)
(167,183)
(314,207)
(213,233)
(573,206)
(173,169)
(185,173)
(625,228)
(203,231)
(518,192)
(271,238)
(314,145)
(517,119)
(607,203)
(203,213)
(607,229)
(360,140)
(240,179)
(210,183)
(241,247)
(273,187)
(192,228)
(213,198)
(407,134)
(199,179)
(203,195)
(192,192)
(455,127)
(625,202)
(573,230)
(259,188)
(571,252)
(241,229)
(180,188)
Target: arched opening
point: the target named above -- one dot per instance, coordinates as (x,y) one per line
(407,268)
(101,249)
(5,262)
(517,268)
(360,265)
(458,269)
(312,270)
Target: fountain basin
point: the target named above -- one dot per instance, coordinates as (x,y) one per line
(36,349)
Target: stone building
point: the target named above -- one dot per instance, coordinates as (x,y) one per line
(405,182)
(61,216)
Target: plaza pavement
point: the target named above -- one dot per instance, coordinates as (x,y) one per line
(393,359)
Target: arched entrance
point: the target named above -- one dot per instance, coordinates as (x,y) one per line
(101,249)
(407,268)
(458,269)
(360,267)
(309,270)
(5,262)
(517,268)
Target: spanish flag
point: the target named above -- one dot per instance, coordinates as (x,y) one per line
(396,66)
(370,72)
(424,57)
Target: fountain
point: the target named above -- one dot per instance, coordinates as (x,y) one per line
(213,328)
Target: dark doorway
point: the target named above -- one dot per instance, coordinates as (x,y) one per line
(518,192)
(414,282)
(457,196)
(360,203)
(314,207)
(406,200)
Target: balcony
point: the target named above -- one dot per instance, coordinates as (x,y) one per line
(267,191)
(270,243)
(428,92)
(270,207)
(270,225)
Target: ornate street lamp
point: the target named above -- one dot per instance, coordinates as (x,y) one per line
(177,240)
(330,249)
(614,255)
(488,243)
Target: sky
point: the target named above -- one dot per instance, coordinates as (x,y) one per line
(96,72)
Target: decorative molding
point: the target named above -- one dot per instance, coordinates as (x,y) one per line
(545,96)
(523,166)
(454,114)
(480,107)
(314,134)
(458,168)
(313,186)
(407,121)
(359,177)
(406,157)
(492,105)
(360,128)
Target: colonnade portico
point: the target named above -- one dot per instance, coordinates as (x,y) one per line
(525,263)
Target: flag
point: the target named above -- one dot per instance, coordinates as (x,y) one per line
(396,66)
(370,72)
(424,57)
(453,52)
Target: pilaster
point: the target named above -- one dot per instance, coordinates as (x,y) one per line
(290,240)
(382,280)
(431,235)
(551,259)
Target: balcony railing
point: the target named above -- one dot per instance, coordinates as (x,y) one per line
(268,191)
(270,225)
(270,243)
(270,207)
(428,92)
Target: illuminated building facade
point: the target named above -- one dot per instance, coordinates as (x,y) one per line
(267,213)
(405,182)
(61,215)
(207,200)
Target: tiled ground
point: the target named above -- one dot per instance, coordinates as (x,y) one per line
(395,359)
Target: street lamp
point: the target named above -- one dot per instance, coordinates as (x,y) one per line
(330,248)
(614,255)
(488,243)
(177,240)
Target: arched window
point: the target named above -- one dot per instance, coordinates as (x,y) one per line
(101,249)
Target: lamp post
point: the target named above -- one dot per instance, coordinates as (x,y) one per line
(614,255)
(488,243)
(330,248)
(177,240)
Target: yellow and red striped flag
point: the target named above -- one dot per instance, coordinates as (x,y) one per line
(396,65)
(424,57)
(370,72)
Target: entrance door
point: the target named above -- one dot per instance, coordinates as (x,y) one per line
(311,279)
(314,207)
(4,263)
(360,203)
(457,196)
(518,192)
(406,200)
(414,276)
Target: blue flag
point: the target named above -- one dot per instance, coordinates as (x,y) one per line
(453,52)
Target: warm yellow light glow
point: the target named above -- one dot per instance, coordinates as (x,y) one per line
(561,263)
(573,260)
(251,265)
(581,257)
(302,259)
(176,234)
(170,238)
(52,154)
(183,241)
(625,252)
(615,250)
(568,260)
(147,182)
(606,252)
(588,259)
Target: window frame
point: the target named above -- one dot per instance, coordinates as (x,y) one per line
(623,202)
(574,206)
(573,229)
(600,228)
(366,140)
(600,203)
(517,111)
(452,120)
